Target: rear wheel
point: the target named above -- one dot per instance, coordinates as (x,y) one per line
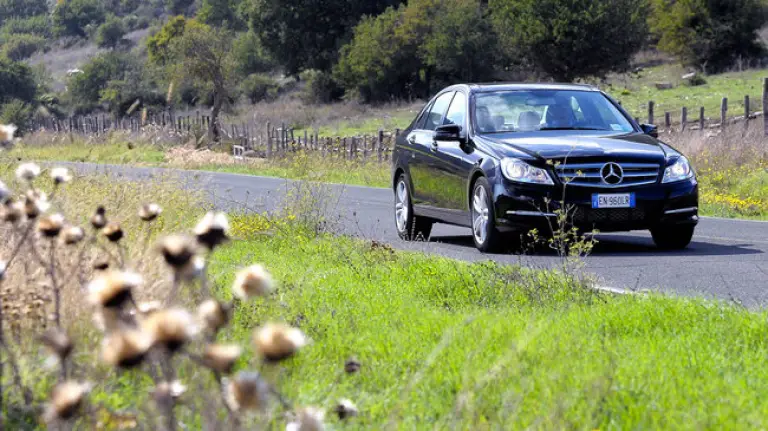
(484,233)
(410,227)
(672,237)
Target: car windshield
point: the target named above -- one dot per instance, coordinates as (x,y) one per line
(539,110)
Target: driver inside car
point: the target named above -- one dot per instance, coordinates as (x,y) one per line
(560,115)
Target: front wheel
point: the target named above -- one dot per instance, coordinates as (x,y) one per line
(672,237)
(484,233)
(410,227)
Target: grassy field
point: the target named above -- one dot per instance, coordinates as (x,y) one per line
(442,344)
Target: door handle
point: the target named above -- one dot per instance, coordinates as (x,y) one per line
(412,139)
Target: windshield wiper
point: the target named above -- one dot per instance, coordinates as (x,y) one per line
(575,128)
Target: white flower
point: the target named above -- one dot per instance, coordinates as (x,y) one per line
(252,281)
(212,230)
(308,419)
(346,409)
(61,175)
(27,171)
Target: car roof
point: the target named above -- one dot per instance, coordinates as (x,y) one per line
(511,86)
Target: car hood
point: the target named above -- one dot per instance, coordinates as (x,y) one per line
(559,146)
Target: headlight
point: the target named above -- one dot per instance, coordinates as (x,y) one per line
(680,170)
(518,170)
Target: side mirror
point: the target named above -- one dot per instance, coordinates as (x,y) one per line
(650,129)
(448,132)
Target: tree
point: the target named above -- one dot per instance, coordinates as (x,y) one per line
(570,39)
(21,46)
(307,34)
(220,13)
(72,17)
(203,53)
(16,82)
(22,9)
(179,7)
(111,33)
(709,34)
(18,113)
(158,45)
(249,55)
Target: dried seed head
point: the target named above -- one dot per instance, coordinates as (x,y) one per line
(212,230)
(101,263)
(213,315)
(126,348)
(252,281)
(166,393)
(35,203)
(221,357)
(307,419)
(351,366)
(27,171)
(50,226)
(276,341)
(61,175)
(192,270)
(99,218)
(149,212)
(113,231)
(346,409)
(177,250)
(72,235)
(6,134)
(246,391)
(58,342)
(66,399)
(147,308)
(171,328)
(114,289)
(12,211)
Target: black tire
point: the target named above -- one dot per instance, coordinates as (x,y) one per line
(414,228)
(672,237)
(489,238)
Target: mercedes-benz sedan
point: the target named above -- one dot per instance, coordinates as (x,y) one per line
(504,158)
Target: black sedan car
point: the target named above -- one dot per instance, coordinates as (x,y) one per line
(503,158)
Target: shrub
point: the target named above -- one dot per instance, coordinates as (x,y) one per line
(709,34)
(696,80)
(320,87)
(73,17)
(22,46)
(16,82)
(18,113)
(179,7)
(22,8)
(570,39)
(111,33)
(249,55)
(258,87)
(39,25)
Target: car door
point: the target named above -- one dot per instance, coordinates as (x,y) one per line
(423,162)
(454,161)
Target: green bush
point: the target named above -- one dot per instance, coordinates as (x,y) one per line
(179,7)
(17,81)
(708,34)
(73,17)
(249,55)
(320,87)
(111,33)
(570,39)
(21,46)
(22,9)
(18,113)
(39,25)
(258,87)
(696,80)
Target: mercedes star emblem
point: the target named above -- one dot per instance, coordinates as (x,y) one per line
(612,173)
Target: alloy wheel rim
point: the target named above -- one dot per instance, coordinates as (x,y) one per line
(479,214)
(401,206)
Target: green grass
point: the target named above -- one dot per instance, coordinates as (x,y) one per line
(634,93)
(446,344)
(81,151)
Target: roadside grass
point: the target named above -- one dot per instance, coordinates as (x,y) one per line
(441,343)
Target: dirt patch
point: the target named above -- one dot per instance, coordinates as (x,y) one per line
(188,156)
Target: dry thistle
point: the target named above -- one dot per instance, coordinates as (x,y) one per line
(170,328)
(346,409)
(35,203)
(113,231)
(126,348)
(177,250)
(212,230)
(12,211)
(101,263)
(7,131)
(99,219)
(66,399)
(221,357)
(213,315)
(192,270)
(276,342)
(352,366)
(168,392)
(252,281)
(51,226)
(27,171)
(114,289)
(61,176)
(246,391)
(72,235)
(307,419)
(58,342)
(149,212)
(147,308)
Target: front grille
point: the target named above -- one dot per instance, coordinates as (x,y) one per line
(584,215)
(588,174)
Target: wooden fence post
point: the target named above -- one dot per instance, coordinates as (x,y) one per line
(723,112)
(379,145)
(651,104)
(702,120)
(683,118)
(765,106)
(667,120)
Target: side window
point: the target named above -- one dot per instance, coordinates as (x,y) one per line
(437,112)
(458,110)
(422,118)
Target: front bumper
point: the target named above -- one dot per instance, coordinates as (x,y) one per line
(521,207)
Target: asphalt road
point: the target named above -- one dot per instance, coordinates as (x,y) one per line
(727,258)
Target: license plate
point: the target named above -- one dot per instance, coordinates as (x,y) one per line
(621,200)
